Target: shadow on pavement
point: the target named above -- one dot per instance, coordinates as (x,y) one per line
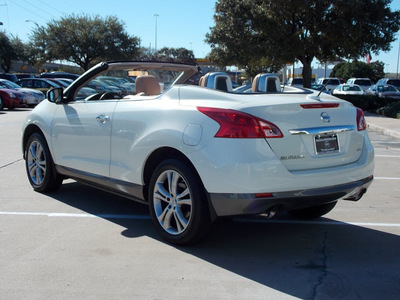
(331,260)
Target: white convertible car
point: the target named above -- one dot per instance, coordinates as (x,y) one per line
(194,153)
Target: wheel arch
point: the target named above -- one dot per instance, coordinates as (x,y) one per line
(29,130)
(162,154)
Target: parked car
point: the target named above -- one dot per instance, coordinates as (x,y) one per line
(40,84)
(364,83)
(391,81)
(126,88)
(384,91)
(10,77)
(59,75)
(320,87)
(329,82)
(11,99)
(24,75)
(32,96)
(64,83)
(196,153)
(102,87)
(348,89)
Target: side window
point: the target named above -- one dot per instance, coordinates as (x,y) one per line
(26,83)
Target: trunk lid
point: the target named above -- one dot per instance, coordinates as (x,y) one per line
(316,134)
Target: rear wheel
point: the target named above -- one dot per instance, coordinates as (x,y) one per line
(178,204)
(313,212)
(1,104)
(39,165)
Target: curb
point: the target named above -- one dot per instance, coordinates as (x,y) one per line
(383,130)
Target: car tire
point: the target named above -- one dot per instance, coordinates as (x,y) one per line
(1,104)
(314,211)
(178,203)
(39,165)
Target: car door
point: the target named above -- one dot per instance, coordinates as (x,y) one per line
(81,134)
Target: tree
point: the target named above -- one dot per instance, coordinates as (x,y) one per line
(233,40)
(181,55)
(283,31)
(358,69)
(84,40)
(11,50)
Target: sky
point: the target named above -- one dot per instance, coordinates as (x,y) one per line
(179,23)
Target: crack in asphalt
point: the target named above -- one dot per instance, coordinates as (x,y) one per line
(323,267)
(11,163)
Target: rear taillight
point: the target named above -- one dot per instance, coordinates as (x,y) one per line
(361,122)
(236,124)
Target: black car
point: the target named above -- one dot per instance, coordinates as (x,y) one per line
(11,77)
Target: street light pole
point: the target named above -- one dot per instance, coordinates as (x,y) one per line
(155,38)
(398,55)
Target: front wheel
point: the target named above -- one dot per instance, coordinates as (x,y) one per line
(313,212)
(39,165)
(178,205)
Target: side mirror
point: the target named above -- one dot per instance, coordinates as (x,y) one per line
(55,95)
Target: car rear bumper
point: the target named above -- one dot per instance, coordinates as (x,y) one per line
(225,204)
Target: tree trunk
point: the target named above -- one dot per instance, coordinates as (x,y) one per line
(307,73)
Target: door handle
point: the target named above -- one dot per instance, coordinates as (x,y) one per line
(103,118)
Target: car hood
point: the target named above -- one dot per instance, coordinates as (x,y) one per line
(17,93)
(31,91)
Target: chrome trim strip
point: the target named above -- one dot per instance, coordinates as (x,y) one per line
(322,130)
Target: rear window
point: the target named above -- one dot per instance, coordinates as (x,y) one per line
(395,82)
(351,88)
(331,81)
(364,82)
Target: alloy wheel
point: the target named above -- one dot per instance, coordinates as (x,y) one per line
(36,162)
(172,202)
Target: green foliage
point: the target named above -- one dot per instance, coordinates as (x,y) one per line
(391,110)
(373,103)
(345,70)
(180,55)
(11,49)
(250,33)
(84,40)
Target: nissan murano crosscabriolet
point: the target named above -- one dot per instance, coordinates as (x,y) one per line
(194,153)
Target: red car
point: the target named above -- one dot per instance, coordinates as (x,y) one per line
(11,99)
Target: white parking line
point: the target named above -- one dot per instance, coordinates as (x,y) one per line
(76,215)
(147,217)
(388,156)
(384,142)
(316,222)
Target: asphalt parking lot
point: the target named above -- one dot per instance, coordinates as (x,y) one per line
(81,243)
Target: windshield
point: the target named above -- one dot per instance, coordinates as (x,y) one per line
(9,85)
(388,88)
(120,79)
(364,82)
(351,88)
